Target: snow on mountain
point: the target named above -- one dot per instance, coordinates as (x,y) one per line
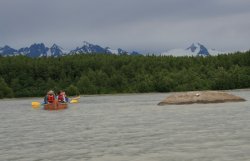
(40,50)
(24,51)
(214,52)
(195,49)
(118,51)
(122,52)
(112,51)
(88,48)
(35,50)
(199,49)
(56,50)
(7,50)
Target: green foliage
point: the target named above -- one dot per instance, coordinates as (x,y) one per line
(72,90)
(5,90)
(86,86)
(21,76)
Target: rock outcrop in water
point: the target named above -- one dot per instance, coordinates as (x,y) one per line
(200,97)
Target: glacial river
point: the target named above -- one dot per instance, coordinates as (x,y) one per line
(125,128)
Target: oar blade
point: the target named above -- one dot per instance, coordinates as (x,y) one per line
(74,101)
(35,104)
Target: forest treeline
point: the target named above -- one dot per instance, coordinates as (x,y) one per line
(22,76)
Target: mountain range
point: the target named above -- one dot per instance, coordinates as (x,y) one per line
(40,50)
(195,49)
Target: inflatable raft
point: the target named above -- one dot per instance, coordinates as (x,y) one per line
(56,106)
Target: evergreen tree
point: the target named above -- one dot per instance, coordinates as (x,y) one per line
(5,90)
(72,90)
(22,76)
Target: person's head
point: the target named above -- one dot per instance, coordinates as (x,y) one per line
(60,92)
(50,92)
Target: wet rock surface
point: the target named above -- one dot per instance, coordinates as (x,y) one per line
(200,97)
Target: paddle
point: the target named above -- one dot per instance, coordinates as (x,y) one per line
(36,104)
(75,99)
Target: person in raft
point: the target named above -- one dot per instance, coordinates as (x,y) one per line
(62,97)
(50,97)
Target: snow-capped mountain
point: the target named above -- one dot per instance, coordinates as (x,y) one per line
(113,51)
(195,49)
(88,48)
(198,48)
(56,50)
(122,52)
(6,50)
(40,50)
(116,51)
(35,50)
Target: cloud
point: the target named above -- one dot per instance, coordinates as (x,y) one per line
(130,24)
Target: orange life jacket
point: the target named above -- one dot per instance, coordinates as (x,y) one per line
(51,98)
(60,98)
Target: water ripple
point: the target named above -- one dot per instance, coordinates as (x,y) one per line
(125,127)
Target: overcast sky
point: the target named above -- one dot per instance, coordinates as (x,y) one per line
(142,25)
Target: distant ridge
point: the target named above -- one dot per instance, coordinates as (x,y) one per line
(195,49)
(40,50)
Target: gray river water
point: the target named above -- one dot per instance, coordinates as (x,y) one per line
(125,128)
